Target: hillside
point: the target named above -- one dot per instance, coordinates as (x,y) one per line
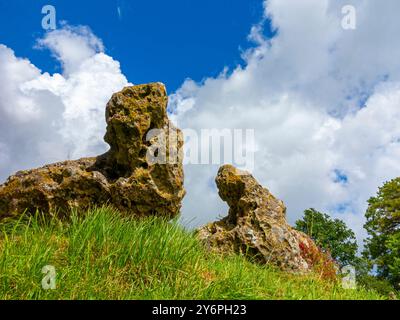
(104,255)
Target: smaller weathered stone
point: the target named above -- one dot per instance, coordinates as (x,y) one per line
(256,225)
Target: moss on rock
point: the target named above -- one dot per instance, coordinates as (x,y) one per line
(122,177)
(256,225)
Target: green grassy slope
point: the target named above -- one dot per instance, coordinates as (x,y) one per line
(106,256)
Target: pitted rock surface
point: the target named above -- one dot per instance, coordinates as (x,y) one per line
(122,177)
(256,225)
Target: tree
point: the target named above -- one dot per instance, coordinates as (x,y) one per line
(331,235)
(382,246)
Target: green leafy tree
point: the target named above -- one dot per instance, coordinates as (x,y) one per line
(332,235)
(383,226)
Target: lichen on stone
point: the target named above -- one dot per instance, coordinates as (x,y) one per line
(256,225)
(122,177)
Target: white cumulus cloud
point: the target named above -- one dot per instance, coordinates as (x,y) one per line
(324,103)
(46,118)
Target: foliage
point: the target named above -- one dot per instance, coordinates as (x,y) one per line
(383,226)
(377,284)
(332,235)
(103,255)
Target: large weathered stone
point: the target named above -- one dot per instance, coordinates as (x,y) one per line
(122,177)
(256,225)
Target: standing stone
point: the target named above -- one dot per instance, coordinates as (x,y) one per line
(123,177)
(256,225)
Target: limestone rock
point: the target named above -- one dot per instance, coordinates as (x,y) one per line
(256,225)
(122,177)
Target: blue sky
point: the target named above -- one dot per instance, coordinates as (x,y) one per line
(156,40)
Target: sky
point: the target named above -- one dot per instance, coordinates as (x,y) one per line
(154,40)
(323,100)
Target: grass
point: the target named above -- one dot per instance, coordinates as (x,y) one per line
(103,255)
